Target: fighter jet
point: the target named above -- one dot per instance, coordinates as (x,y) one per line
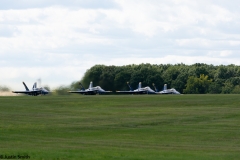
(139,90)
(168,91)
(34,92)
(91,90)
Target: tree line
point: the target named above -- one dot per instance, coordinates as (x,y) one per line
(198,78)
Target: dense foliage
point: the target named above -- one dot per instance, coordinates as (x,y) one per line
(197,78)
(63,89)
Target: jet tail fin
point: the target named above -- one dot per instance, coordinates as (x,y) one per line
(155,87)
(81,86)
(140,85)
(129,86)
(34,86)
(25,86)
(91,85)
(165,87)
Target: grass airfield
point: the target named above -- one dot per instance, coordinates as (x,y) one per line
(121,127)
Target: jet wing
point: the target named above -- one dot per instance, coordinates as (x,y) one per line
(21,92)
(77,91)
(107,91)
(92,92)
(132,92)
(168,92)
(26,92)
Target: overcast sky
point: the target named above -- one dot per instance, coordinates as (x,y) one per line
(58,40)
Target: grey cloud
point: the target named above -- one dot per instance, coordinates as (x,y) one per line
(124,41)
(26,4)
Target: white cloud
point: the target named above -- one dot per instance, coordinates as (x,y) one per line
(173,59)
(225,53)
(58,41)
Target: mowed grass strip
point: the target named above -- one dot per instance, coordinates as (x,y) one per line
(121,127)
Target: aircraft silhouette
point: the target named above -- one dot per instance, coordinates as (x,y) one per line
(34,92)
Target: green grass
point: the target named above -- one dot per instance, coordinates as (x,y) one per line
(121,127)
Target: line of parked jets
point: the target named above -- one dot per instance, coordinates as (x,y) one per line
(98,90)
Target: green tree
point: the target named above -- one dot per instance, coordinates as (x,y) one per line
(236,90)
(227,88)
(224,78)
(197,85)
(170,74)
(122,76)
(215,88)
(62,90)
